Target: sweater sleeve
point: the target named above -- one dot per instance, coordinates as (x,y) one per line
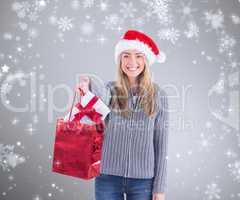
(101,90)
(160,145)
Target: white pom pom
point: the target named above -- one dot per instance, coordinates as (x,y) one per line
(161,57)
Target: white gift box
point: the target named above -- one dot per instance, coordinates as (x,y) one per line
(99,106)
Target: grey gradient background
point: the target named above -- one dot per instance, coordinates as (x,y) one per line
(203,71)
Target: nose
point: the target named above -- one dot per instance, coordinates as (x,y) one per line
(133,60)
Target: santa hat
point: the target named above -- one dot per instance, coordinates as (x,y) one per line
(133,39)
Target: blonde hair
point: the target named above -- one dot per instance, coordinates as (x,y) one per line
(146,91)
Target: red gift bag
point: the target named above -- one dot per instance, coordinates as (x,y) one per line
(77,147)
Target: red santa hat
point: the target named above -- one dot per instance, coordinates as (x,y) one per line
(133,39)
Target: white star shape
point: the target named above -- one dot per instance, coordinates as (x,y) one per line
(5,68)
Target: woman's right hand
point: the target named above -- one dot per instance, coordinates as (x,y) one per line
(83,86)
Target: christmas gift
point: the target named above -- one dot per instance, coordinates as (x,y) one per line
(78,145)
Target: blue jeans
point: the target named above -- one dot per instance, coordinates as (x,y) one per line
(111,187)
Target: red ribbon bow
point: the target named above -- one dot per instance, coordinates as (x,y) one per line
(89,111)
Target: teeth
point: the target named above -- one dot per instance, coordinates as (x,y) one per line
(132,68)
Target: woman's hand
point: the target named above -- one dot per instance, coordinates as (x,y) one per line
(158,196)
(83,86)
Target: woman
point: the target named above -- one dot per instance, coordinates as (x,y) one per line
(135,144)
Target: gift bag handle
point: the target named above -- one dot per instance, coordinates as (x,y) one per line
(74,97)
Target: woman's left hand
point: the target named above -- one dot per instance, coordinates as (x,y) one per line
(158,196)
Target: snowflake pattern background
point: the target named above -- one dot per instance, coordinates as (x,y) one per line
(44,47)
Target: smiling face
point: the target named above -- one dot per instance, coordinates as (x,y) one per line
(132,63)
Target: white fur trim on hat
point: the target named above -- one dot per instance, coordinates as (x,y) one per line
(123,45)
(161,58)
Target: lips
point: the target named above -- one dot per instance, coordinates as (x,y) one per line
(132,68)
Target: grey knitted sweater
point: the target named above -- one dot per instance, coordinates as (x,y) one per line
(135,147)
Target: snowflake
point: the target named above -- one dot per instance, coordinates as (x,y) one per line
(226,43)
(10,79)
(230,153)
(205,141)
(19,49)
(30,10)
(235,19)
(103,5)
(186,10)
(65,24)
(215,20)
(160,8)
(16,6)
(23,26)
(193,30)
(234,169)
(21,14)
(170,34)
(37,197)
(112,21)
(39,5)
(21,8)
(7,36)
(234,64)
(33,33)
(233,78)
(88,3)
(127,9)
(8,159)
(75,4)
(6,88)
(33,16)
(219,86)
(213,191)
